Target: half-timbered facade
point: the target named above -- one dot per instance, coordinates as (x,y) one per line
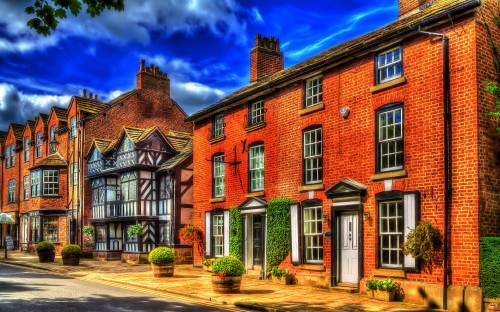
(127,190)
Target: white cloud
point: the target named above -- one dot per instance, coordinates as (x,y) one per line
(223,18)
(193,96)
(340,28)
(17,107)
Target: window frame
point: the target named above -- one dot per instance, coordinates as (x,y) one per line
(35,183)
(73,174)
(27,143)
(221,178)
(319,157)
(218,126)
(398,235)
(11,191)
(45,222)
(252,171)
(217,237)
(378,68)
(26,187)
(128,183)
(318,207)
(52,134)
(316,96)
(38,144)
(378,144)
(8,156)
(256,112)
(72,128)
(50,187)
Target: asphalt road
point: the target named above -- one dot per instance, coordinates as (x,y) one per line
(26,290)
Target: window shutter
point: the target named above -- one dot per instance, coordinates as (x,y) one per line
(295,233)
(208,233)
(410,221)
(226,232)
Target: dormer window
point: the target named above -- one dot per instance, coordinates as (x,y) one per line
(39,144)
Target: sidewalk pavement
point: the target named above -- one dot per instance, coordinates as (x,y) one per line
(195,283)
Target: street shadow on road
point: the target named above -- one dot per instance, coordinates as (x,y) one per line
(101,303)
(8,287)
(256,291)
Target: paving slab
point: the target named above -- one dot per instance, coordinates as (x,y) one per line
(189,281)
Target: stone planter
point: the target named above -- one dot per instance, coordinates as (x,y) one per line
(283,280)
(207,268)
(226,285)
(47,256)
(382,295)
(71,259)
(163,269)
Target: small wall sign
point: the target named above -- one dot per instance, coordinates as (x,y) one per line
(328,234)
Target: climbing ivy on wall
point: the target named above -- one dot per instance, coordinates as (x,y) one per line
(278,231)
(235,233)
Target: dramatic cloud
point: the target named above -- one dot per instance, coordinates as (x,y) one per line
(222,18)
(192,96)
(16,107)
(350,23)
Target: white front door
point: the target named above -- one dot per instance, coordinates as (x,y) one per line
(349,248)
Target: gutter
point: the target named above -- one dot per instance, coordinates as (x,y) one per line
(447,156)
(466,5)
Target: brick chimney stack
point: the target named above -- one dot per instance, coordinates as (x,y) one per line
(150,77)
(265,58)
(409,7)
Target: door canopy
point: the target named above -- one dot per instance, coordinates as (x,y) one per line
(346,192)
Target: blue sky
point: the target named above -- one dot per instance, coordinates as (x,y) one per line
(203,45)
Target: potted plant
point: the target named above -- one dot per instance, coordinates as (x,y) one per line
(227,275)
(71,254)
(281,276)
(384,290)
(46,251)
(162,261)
(424,243)
(207,264)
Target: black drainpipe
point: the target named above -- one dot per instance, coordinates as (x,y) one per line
(447,156)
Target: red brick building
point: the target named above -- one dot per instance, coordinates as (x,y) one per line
(47,184)
(367,139)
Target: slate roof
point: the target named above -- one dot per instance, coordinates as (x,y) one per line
(179,139)
(31,124)
(342,51)
(179,158)
(89,105)
(61,113)
(53,160)
(44,117)
(18,131)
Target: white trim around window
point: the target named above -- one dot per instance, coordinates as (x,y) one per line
(389,64)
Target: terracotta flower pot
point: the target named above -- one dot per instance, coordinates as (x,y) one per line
(46,256)
(71,259)
(283,280)
(163,269)
(226,285)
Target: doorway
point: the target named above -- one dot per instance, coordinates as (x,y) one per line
(349,248)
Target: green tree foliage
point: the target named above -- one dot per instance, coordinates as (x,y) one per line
(489,266)
(235,233)
(48,13)
(278,231)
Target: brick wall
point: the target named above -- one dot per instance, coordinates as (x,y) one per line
(349,145)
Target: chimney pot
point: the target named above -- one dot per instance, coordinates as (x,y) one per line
(96,97)
(90,95)
(84,93)
(141,67)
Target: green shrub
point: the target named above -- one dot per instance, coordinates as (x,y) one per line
(372,284)
(228,266)
(88,230)
(278,231)
(236,233)
(135,229)
(161,255)
(278,272)
(207,261)
(489,266)
(387,284)
(45,246)
(72,250)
